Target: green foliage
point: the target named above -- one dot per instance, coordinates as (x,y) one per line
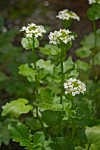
(89,40)
(16,107)
(50,49)
(26,43)
(93,137)
(20,133)
(94,12)
(83,52)
(57,120)
(4,133)
(25,70)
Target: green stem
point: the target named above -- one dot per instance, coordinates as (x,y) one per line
(88,146)
(36,85)
(62,80)
(60,128)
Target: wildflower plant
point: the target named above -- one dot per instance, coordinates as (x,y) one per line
(57,114)
(67,17)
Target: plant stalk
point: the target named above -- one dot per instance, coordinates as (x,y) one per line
(36,86)
(62,92)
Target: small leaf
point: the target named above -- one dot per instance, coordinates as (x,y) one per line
(50,49)
(46,65)
(16,107)
(94,12)
(28,72)
(83,52)
(27,43)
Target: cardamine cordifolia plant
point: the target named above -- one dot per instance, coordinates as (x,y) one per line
(58,110)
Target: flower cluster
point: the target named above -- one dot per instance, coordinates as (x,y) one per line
(66,15)
(62,35)
(33,30)
(94,1)
(74,86)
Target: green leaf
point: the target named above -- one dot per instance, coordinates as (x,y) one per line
(28,72)
(67,23)
(16,107)
(20,133)
(62,143)
(27,43)
(89,40)
(81,65)
(94,12)
(47,106)
(50,49)
(83,52)
(50,117)
(46,65)
(97,59)
(68,65)
(4,133)
(93,136)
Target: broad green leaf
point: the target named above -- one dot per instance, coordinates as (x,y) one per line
(46,65)
(50,49)
(27,43)
(83,52)
(82,65)
(16,107)
(50,117)
(20,133)
(94,12)
(33,123)
(97,59)
(28,72)
(89,40)
(69,65)
(93,136)
(47,106)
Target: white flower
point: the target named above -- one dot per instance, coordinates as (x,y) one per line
(66,15)
(33,30)
(94,1)
(74,86)
(63,35)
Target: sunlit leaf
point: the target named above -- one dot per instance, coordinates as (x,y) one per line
(16,107)
(28,72)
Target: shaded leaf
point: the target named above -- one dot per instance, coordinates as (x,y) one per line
(93,136)
(94,12)
(83,52)
(50,117)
